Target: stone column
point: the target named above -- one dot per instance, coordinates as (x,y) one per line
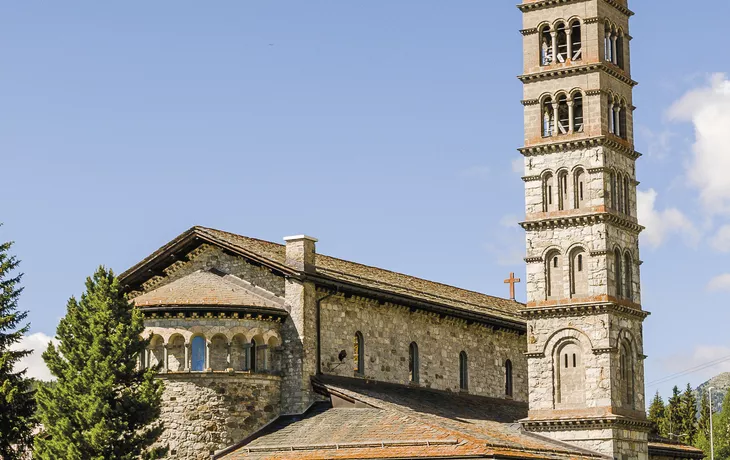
(228,356)
(568,33)
(164,358)
(617,121)
(607,46)
(571,120)
(556,122)
(614,49)
(554,35)
(207,355)
(186,366)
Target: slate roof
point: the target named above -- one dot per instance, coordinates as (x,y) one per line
(364,276)
(209,288)
(403,422)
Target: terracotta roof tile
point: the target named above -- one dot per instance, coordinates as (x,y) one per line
(404,423)
(207,288)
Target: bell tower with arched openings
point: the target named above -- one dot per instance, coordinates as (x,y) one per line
(583,309)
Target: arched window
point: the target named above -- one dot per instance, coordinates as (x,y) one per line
(608,44)
(563,115)
(628,277)
(563,199)
(218,354)
(620,49)
(618,272)
(508,378)
(253,356)
(570,376)
(358,356)
(626,370)
(548,117)
(578,272)
(463,371)
(413,363)
(577,112)
(546,46)
(579,188)
(562,38)
(612,193)
(621,120)
(619,192)
(548,192)
(576,41)
(554,271)
(627,196)
(197,355)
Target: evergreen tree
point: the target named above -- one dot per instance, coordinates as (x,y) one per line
(721,430)
(702,440)
(673,415)
(657,416)
(688,408)
(17,404)
(102,405)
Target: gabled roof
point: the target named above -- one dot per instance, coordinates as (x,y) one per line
(397,421)
(333,270)
(206,288)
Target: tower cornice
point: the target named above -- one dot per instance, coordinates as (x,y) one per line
(586,309)
(552,147)
(582,220)
(560,72)
(539,5)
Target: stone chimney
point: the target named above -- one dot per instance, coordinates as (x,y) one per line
(300,252)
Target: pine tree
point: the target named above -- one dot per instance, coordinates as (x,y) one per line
(657,416)
(688,408)
(721,430)
(102,406)
(702,440)
(17,404)
(674,415)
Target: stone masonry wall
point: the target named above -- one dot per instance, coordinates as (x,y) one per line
(206,412)
(206,257)
(389,329)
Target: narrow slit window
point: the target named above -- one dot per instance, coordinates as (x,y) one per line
(508,390)
(575,360)
(580,262)
(358,356)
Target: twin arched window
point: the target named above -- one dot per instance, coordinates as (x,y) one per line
(570,374)
(562,114)
(617,123)
(626,371)
(620,193)
(623,274)
(614,45)
(577,273)
(557,196)
(561,42)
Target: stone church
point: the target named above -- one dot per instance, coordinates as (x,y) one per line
(274,351)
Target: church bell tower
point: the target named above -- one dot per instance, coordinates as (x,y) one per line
(584,314)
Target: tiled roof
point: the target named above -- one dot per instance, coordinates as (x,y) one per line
(403,422)
(378,278)
(668,448)
(208,288)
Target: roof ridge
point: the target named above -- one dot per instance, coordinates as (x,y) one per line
(364,265)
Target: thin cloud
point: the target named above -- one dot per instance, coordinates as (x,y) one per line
(37,342)
(719,283)
(661,224)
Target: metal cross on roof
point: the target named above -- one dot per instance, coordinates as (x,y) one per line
(512,281)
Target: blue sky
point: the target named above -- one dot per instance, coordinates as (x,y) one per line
(386,129)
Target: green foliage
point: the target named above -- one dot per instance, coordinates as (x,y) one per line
(657,416)
(721,430)
(102,406)
(17,404)
(688,411)
(673,415)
